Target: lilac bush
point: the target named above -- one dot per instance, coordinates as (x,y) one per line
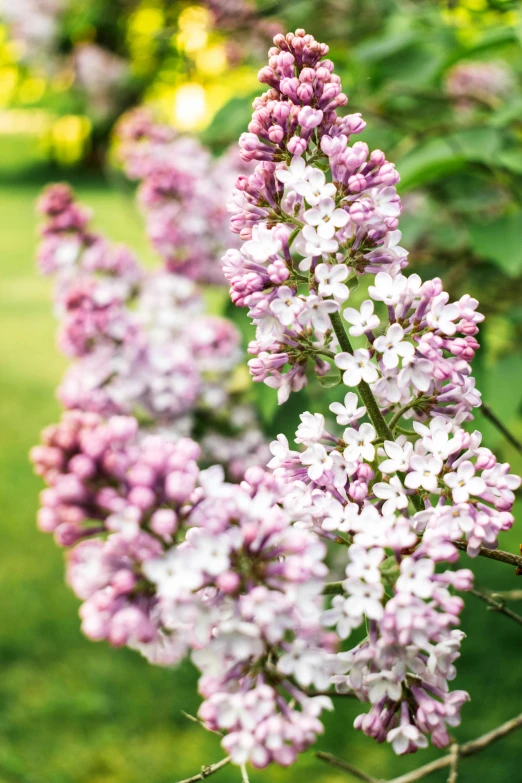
(385,488)
(140,340)
(183,193)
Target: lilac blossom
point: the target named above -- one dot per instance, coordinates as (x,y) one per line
(397,499)
(141,341)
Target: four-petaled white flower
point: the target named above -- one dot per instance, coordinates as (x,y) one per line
(286,305)
(311,429)
(418,374)
(424,473)
(263,244)
(364,563)
(213,552)
(304,662)
(349,410)
(392,345)
(316,245)
(417,577)
(441,315)
(331,281)
(393,493)
(280,450)
(436,438)
(345,621)
(364,598)
(359,443)
(386,202)
(362,320)
(357,367)
(314,187)
(390,289)
(383,684)
(405,735)
(297,172)
(464,483)
(318,460)
(317,312)
(326,217)
(391,246)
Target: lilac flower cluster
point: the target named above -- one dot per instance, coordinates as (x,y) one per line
(183,194)
(34,23)
(172,560)
(357,490)
(317,215)
(167,559)
(302,230)
(141,341)
(483,82)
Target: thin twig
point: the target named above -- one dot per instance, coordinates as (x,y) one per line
(207,771)
(508,595)
(200,723)
(488,413)
(497,606)
(244,774)
(467,749)
(336,588)
(454,763)
(333,694)
(340,764)
(493,554)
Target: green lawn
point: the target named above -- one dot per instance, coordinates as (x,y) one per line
(76,712)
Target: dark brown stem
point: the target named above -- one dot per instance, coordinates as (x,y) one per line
(494,554)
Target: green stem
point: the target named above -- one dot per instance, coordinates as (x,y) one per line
(400,413)
(378,420)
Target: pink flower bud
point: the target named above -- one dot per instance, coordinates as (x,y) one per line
(164,522)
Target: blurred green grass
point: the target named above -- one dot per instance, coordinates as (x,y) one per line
(76,712)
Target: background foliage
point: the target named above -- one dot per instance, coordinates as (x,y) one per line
(75,712)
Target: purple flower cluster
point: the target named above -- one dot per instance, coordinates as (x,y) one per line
(141,340)
(167,559)
(323,212)
(183,194)
(472,82)
(317,215)
(359,489)
(172,560)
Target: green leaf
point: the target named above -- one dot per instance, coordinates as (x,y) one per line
(353,283)
(266,401)
(436,158)
(506,114)
(500,241)
(379,48)
(230,121)
(330,380)
(511,160)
